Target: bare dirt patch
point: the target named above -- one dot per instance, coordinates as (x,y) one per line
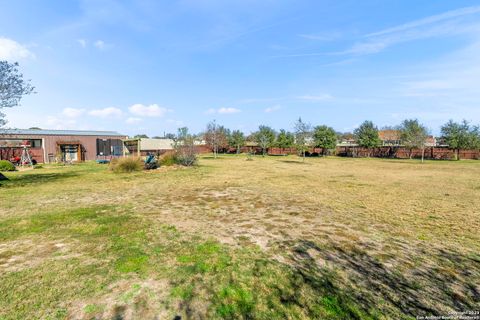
(128,300)
(27,253)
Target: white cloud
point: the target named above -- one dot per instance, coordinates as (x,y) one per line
(72,112)
(297,55)
(153,110)
(223,111)
(175,122)
(132,120)
(82,43)
(256,100)
(106,112)
(428,20)
(57,123)
(12,50)
(228,110)
(99,44)
(273,109)
(449,23)
(321,36)
(320,97)
(452,80)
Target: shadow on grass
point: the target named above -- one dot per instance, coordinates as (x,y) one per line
(245,284)
(26,179)
(295,162)
(447,284)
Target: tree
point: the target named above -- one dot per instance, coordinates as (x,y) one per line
(325,137)
(237,140)
(367,135)
(223,135)
(184,144)
(413,136)
(460,136)
(265,137)
(303,134)
(474,137)
(216,137)
(12,87)
(346,136)
(285,139)
(210,137)
(140,136)
(171,136)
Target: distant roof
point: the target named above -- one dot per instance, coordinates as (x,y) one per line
(59,132)
(156,144)
(389,134)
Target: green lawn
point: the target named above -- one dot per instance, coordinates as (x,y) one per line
(272,238)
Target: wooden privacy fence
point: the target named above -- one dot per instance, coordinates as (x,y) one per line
(434,153)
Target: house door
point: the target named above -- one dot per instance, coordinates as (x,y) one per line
(69,152)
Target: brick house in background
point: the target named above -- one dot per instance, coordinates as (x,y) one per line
(391,138)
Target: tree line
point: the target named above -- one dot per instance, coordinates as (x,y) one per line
(412,134)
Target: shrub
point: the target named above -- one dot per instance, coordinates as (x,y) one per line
(168,159)
(6,165)
(126,165)
(186,157)
(185,151)
(182,156)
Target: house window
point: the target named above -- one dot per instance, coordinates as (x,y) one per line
(109,147)
(18,143)
(36,143)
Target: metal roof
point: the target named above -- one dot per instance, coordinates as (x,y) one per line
(59,132)
(156,144)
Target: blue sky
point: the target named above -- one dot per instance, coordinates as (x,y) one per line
(152,66)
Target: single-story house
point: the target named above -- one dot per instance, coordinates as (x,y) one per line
(47,146)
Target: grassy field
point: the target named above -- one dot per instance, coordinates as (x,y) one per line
(272,238)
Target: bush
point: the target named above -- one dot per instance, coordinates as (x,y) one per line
(186,159)
(168,159)
(181,157)
(6,165)
(126,165)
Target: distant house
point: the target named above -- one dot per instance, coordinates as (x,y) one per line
(393,138)
(431,141)
(347,142)
(390,137)
(48,146)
